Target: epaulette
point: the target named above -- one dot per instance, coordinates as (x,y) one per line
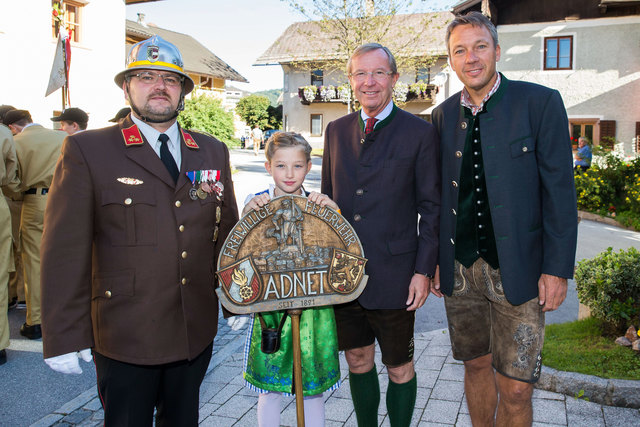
(132,136)
(188,139)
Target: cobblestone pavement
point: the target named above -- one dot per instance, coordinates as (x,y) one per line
(224,401)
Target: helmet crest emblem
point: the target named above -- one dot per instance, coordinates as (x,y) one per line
(153,52)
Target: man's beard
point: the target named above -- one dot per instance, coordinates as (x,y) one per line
(155,114)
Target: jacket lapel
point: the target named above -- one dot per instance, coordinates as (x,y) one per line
(137,149)
(191,158)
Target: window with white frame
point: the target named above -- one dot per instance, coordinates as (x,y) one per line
(316,124)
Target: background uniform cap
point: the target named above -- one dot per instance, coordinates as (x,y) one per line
(155,54)
(15,116)
(121,114)
(72,115)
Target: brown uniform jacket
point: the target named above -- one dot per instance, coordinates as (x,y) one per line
(128,258)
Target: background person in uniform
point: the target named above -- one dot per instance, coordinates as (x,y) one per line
(8,181)
(258,139)
(381,166)
(14,201)
(72,120)
(129,251)
(120,115)
(38,150)
(508,223)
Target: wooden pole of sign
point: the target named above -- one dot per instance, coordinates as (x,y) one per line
(297,364)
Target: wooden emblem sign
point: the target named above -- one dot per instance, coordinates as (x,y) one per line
(292,253)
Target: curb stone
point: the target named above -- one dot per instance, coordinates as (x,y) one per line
(612,392)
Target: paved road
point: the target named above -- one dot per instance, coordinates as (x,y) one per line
(29,390)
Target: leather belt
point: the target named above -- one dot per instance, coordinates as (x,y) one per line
(39,190)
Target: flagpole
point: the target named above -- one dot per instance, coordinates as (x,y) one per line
(65,87)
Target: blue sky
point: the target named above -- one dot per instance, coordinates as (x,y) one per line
(237,31)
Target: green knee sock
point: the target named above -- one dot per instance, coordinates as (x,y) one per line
(401,398)
(365,393)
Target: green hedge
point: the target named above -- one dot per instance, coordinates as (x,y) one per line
(609,285)
(611,187)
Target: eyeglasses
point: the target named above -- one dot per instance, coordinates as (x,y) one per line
(149,78)
(378,75)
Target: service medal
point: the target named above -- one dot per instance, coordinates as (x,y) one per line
(201,193)
(193,193)
(218,187)
(206,187)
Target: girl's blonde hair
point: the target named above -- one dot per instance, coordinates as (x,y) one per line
(286,139)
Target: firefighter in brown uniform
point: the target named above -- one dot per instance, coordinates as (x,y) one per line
(137,214)
(8,181)
(38,150)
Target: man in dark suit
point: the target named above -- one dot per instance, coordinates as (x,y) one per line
(381,166)
(136,216)
(508,222)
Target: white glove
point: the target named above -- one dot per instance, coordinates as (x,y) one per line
(237,322)
(68,363)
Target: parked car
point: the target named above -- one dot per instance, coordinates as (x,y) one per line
(268,133)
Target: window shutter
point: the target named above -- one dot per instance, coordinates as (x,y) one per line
(607,133)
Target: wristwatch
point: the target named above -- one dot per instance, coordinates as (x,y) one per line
(428,276)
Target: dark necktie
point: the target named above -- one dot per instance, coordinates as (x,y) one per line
(167,158)
(370,123)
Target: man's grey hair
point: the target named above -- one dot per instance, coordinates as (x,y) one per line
(475,19)
(365,48)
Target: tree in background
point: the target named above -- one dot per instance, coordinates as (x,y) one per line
(204,113)
(347,24)
(337,27)
(272,94)
(275,117)
(253,109)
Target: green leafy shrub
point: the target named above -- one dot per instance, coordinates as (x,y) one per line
(632,190)
(609,285)
(205,114)
(593,191)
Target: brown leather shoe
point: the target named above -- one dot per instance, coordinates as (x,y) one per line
(33,332)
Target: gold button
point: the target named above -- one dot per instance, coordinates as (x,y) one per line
(107,294)
(215,234)
(524,149)
(455,184)
(357,217)
(178,203)
(458,154)
(184,254)
(128,201)
(181,228)
(463,125)
(184,280)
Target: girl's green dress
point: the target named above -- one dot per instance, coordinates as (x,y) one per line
(319,351)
